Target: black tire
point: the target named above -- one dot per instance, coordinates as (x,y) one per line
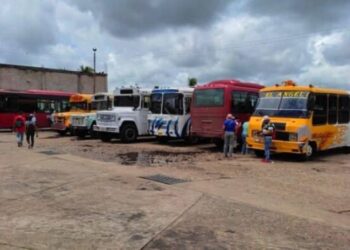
(62,132)
(259,153)
(219,143)
(310,152)
(80,134)
(162,139)
(191,140)
(128,133)
(105,137)
(71,131)
(93,134)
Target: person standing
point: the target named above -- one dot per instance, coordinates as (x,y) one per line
(19,128)
(268,130)
(31,129)
(245,128)
(229,135)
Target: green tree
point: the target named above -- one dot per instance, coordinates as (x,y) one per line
(86,69)
(192,82)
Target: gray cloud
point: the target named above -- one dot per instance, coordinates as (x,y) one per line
(339,54)
(131,18)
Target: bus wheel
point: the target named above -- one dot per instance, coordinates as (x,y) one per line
(128,133)
(218,143)
(191,140)
(162,139)
(62,132)
(310,151)
(105,137)
(93,134)
(80,134)
(259,153)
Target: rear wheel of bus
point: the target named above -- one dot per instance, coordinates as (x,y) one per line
(80,134)
(93,134)
(105,137)
(128,133)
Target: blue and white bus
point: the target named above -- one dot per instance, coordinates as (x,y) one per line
(170,113)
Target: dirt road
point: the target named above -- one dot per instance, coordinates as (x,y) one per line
(242,203)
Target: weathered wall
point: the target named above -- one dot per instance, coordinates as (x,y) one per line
(22,78)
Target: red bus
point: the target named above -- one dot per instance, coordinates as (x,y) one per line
(211,103)
(43,102)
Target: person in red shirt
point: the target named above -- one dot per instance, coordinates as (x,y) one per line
(19,126)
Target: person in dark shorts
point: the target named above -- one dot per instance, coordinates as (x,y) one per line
(31,130)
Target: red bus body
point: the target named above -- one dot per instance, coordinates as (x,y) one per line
(207,120)
(43,102)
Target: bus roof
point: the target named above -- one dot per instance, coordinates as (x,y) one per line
(229,83)
(37,92)
(80,98)
(172,90)
(309,88)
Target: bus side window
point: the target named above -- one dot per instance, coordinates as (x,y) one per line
(188,105)
(243,102)
(320,110)
(146,102)
(332,109)
(343,109)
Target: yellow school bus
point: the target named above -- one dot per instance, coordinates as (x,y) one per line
(306,119)
(79,103)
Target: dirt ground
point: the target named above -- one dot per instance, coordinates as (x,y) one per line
(242,203)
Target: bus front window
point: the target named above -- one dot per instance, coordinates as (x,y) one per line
(100,105)
(283,104)
(156,103)
(78,105)
(127,101)
(173,104)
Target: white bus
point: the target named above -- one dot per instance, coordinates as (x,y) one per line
(170,113)
(128,117)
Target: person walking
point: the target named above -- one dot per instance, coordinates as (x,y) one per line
(229,135)
(268,130)
(245,128)
(19,128)
(31,130)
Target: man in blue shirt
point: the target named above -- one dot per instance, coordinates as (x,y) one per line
(229,136)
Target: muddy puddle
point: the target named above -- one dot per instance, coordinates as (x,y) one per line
(155,158)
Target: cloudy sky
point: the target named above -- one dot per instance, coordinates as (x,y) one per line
(165,42)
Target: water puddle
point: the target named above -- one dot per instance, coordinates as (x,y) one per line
(155,158)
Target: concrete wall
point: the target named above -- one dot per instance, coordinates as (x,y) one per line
(23,78)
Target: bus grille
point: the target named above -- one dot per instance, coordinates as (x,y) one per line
(279,126)
(282,136)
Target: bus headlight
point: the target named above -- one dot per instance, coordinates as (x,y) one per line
(293,137)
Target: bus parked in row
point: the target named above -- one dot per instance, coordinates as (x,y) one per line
(42,102)
(79,103)
(128,118)
(83,124)
(170,113)
(213,101)
(306,119)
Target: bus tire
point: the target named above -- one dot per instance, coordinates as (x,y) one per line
(128,133)
(310,152)
(93,134)
(105,137)
(162,139)
(62,132)
(80,134)
(259,153)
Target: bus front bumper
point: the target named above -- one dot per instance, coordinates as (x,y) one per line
(106,129)
(278,146)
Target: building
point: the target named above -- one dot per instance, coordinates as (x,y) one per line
(17,77)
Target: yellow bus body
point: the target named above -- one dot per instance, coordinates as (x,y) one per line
(62,120)
(301,132)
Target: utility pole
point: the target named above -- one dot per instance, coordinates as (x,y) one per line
(94,50)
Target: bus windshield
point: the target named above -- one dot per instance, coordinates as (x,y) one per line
(208,97)
(283,104)
(156,103)
(173,104)
(101,105)
(126,101)
(78,105)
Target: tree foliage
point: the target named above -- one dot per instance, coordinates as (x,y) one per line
(192,82)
